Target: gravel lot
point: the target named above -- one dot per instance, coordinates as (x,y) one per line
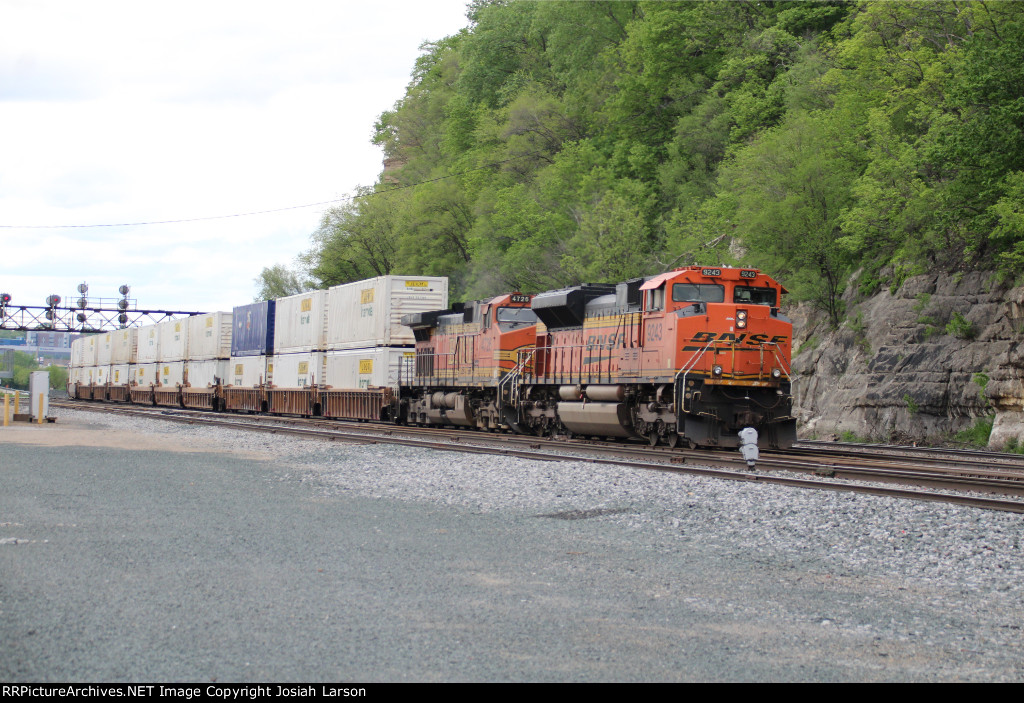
(315,560)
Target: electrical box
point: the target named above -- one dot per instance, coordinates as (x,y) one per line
(39,389)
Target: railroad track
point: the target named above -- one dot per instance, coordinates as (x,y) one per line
(851,471)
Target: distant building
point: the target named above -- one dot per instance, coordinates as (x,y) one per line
(50,340)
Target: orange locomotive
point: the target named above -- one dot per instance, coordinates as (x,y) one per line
(694,355)
(462,357)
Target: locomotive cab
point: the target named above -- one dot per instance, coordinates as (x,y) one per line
(730,349)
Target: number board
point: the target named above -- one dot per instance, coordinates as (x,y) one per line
(520,298)
(711,272)
(748,274)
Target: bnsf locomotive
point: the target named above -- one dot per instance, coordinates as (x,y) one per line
(691,356)
(697,356)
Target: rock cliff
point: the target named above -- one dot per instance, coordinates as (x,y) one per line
(919,364)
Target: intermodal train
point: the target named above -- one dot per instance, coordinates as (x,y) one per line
(691,357)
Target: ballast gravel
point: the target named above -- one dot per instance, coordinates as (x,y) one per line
(902,590)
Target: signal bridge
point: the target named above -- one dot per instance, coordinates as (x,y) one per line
(86,316)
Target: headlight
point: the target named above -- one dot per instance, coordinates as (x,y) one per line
(776,373)
(741,319)
(716,370)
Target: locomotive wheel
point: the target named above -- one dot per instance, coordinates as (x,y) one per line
(673,440)
(653,438)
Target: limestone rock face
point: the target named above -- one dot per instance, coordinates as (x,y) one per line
(919,364)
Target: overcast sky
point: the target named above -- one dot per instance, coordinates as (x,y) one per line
(124,112)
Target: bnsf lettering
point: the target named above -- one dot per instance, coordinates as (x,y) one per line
(609,340)
(755,339)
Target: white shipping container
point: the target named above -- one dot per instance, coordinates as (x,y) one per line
(89,375)
(173,336)
(300,323)
(120,375)
(104,345)
(144,374)
(124,346)
(364,368)
(247,371)
(296,370)
(74,375)
(205,374)
(209,336)
(172,373)
(148,350)
(369,313)
(76,353)
(89,348)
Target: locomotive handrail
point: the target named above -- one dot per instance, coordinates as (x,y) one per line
(685,370)
(510,380)
(447,374)
(692,362)
(581,348)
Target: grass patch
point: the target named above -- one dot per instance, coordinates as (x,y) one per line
(1014,446)
(978,434)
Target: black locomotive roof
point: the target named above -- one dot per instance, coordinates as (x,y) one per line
(567,307)
(420,320)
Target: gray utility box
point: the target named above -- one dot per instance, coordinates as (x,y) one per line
(39,392)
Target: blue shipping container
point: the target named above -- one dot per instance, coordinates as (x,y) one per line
(252,329)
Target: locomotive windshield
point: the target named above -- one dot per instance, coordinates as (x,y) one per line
(509,318)
(698,293)
(754,296)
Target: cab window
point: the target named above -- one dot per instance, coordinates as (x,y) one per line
(749,295)
(510,318)
(698,293)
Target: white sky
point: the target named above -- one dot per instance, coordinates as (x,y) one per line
(115,112)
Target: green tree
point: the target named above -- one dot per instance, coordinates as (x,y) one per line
(791,187)
(279,281)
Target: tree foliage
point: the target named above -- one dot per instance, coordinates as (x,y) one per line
(278,281)
(558,142)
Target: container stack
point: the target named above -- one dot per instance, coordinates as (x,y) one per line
(367,345)
(145,372)
(90,372)
(122,347)
(104,345)
(252,349)
(75,382)
(300,338)
(208,359)
(367,342)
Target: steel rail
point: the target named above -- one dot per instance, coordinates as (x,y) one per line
(370,434)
